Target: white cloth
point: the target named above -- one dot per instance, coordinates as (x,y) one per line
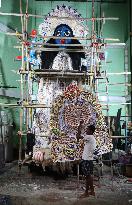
(62,62)
(89,147)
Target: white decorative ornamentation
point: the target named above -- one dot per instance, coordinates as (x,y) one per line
(55,18)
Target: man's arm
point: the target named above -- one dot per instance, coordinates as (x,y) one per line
(78,136)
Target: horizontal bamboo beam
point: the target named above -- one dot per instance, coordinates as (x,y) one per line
(105,108)
(11,14)
(113,104)
(120,73)
(79,18)
(58,17)
(56,37)
(125,84)
(114,92)
(86,45)
(82,38)
(52,72)
(119,137)
(58,73)
(24,106)
(42,135)
(44,106)
(72,73)
(107,45)
(12,34)
(56,45)
(117,45)
(61,49)
(105,75)
(35,106)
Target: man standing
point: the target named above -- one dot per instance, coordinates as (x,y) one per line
(87,157)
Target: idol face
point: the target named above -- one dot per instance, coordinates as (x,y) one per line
(63,30)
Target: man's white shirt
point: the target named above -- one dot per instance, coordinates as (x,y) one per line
(89,147)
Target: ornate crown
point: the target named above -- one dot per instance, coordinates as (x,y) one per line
(75,22)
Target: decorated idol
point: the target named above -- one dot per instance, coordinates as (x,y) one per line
(63,28)
(67,103)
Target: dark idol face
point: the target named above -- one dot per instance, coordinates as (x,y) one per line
(63,31)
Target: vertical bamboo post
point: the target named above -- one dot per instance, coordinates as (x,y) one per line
(21,122)
(27,66)
(93,49)
(21,110)
(20,141)
(78,172)
(126,91)
(27,118)
(107,103)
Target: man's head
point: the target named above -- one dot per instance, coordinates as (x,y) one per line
(63,30)
(90,129)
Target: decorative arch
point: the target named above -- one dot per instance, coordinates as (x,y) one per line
(67,111)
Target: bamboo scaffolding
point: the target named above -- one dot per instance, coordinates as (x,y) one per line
(41,135)
(24,106)
(55,37)
(22,97)
(125,84)
(127,116)
(68,72)
(58,73)
(21,16)
(116,45)
(11,14)
(113,104)
(107,106)
(20,141)
(44,106)
(114,91)
(56,17)
(102,25)
(13,34)
(70,18)
(93,49)
(82,38)
(120,73)
(126,90)
(124,137)
(103,76)
(87,45)
(70,45)
(67,45)
(25,65)
(60,49)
